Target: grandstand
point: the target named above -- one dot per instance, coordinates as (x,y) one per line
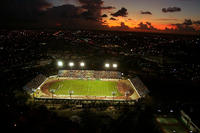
(90,74)
(34,83)
(139,86)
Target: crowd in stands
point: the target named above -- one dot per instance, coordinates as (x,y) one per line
(34,83)
(90,74)
(139,86)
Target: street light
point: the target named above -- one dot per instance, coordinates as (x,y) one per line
(113,93)
(70,93)
(33,94)
(174,131)
(114,65)
(52,92)
(126,94)
(60,63)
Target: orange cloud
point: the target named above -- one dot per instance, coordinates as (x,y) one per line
(134,24)
(164,26)
(128,22)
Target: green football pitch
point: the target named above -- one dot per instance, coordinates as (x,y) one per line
(86,87)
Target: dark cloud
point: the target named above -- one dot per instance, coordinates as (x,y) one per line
(71,16)
(187,25)
(145,26)
(112,18)
(92,8)
(36,13)
(183,27)
(187,22)
(146,12)
(104,16)
(122,27)
(196,22)
(171,9)
(108,7)
(122,12)
(24,10)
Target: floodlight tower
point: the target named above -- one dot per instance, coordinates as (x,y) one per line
(107,66)
(71,64)
(82,65)
(115,65)
(60,64)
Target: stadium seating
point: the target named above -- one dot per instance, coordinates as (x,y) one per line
(139,86)
(90,74)
(34,83)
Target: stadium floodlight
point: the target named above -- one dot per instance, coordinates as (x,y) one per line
(82,64)
(71,64)
(107,65)
(60,63)
(114,65)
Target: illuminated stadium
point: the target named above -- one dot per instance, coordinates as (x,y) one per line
(87,85)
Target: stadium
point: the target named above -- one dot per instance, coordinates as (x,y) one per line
(87,85)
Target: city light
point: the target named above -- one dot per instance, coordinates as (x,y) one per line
(71,64)
(107,65)
(114,65)
(60,63)
(82,64)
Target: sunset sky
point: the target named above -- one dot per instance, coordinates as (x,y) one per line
(183,15)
